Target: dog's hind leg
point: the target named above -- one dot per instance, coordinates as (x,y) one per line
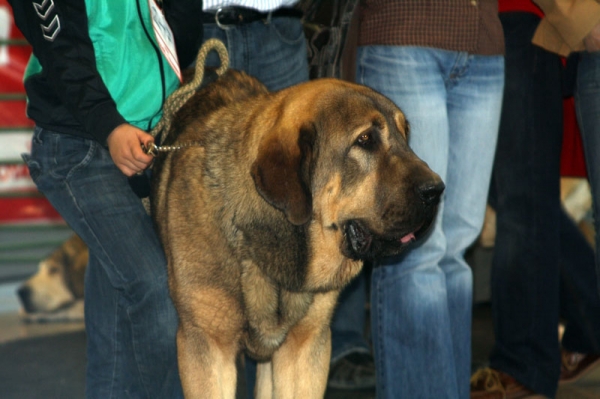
(301,364)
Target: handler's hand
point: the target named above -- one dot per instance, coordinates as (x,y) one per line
(592,40)
(126,151)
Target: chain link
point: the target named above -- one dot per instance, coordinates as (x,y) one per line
(154,149)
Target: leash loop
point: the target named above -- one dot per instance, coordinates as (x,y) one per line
(180,96)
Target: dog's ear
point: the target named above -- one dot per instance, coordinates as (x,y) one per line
(402,124)
(282,172)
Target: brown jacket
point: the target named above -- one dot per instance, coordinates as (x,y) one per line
(566,24)
(456,25)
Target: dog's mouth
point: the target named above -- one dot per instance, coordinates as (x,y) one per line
(362,243)
(30,309)
(359,238)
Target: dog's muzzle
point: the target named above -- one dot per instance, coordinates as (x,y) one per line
(362,243)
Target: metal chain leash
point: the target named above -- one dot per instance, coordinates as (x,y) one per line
(153,149)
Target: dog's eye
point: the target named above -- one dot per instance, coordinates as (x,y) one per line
(366,140)
(52,270)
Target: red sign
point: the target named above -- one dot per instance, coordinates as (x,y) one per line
(14,55)
(19,200)
(27,210)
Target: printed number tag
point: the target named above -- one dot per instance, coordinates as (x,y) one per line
(164,37)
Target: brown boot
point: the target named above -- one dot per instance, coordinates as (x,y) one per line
(488,383)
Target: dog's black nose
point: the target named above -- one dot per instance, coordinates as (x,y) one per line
(24,294)
(431,192)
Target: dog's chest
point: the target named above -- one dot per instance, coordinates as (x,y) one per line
(271,311)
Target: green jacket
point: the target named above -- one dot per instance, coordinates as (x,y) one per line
(96,63)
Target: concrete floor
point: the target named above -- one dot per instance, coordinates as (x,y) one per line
(48,360)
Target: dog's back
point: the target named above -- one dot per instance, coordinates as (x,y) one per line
(232,87)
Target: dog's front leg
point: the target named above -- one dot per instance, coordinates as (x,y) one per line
(301,365)
(208,344)
(206,369)
(264,381)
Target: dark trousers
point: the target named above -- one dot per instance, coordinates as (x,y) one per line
(537,245)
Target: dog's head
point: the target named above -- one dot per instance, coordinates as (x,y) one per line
(58,283)
(338,159)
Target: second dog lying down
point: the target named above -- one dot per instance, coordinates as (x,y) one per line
(55,291)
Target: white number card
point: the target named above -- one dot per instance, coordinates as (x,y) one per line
(164,36)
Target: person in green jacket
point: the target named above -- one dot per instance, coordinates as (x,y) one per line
(96,82)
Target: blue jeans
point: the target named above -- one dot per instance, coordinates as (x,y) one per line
(421,302)
(129,317)
(541,261)
(274,53)
(349,320)
(587,100)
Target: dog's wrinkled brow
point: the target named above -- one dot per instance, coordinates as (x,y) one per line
(378,122)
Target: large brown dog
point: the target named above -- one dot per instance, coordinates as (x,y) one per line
(269,212)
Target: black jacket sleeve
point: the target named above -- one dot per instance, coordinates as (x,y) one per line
(58,32)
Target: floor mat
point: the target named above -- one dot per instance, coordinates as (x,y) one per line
(51,367)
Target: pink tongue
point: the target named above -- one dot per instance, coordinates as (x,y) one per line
(407,238)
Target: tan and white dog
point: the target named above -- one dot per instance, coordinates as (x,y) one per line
(55,291)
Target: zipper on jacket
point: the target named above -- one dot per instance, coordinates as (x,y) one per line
(160,60)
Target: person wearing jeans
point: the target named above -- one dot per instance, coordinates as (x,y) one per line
(92,108)
(581,352)
(442,64)
(542,266)
(129,318)
(587,101)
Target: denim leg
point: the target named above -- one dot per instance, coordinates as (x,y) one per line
(275,53)
(349,320)
(107,343)
(130,319)
(525,267)
(474,106)
(587,101)
(421,302)
(579,299)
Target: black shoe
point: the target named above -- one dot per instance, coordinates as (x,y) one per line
(355,371)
